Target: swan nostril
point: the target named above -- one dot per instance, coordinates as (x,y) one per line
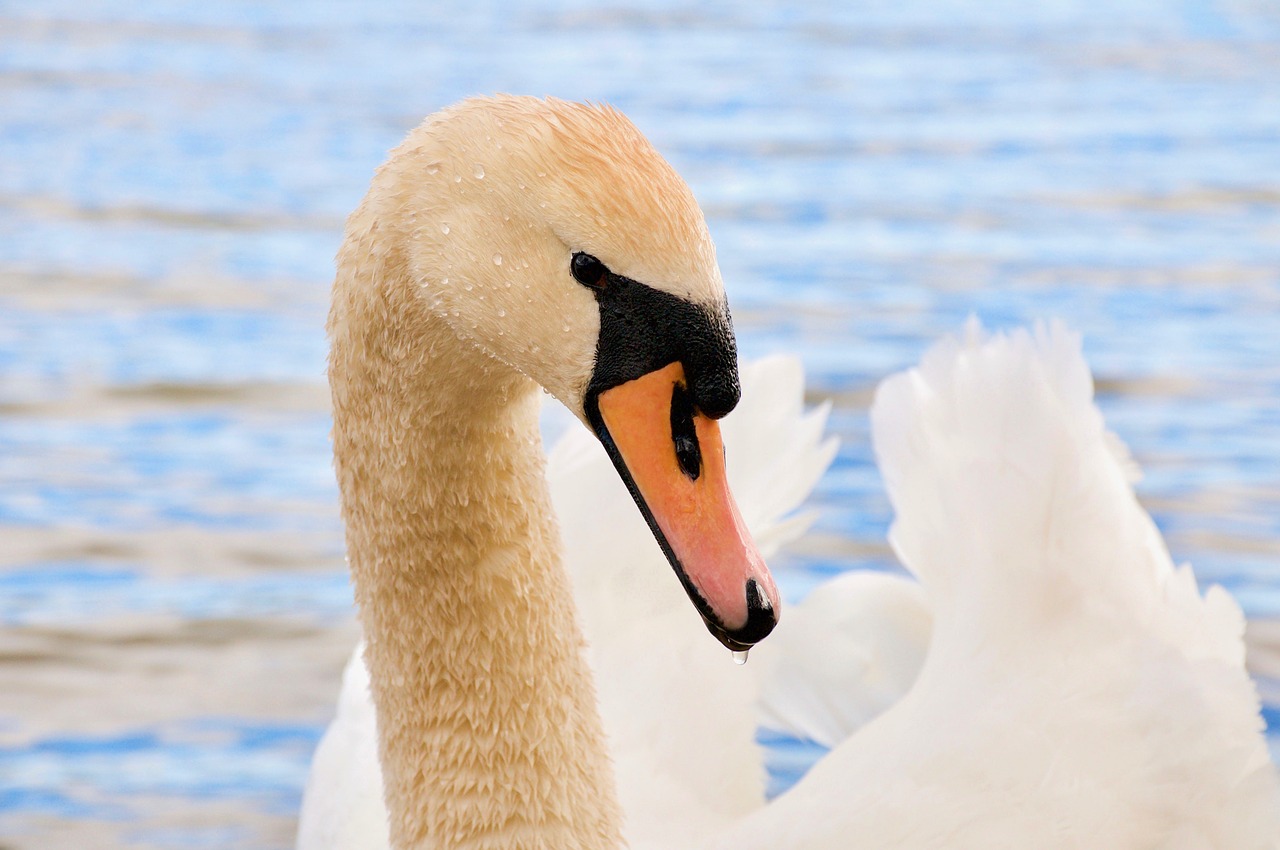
(684,434)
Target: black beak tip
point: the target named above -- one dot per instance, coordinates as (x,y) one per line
(761,619)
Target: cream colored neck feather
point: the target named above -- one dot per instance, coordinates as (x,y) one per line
(489,733)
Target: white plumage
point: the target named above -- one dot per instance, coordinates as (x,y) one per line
(1077,690)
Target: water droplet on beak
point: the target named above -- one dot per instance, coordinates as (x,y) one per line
(740,656)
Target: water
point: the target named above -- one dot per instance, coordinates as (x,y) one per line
(173,179)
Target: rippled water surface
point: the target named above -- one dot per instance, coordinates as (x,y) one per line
(173,179)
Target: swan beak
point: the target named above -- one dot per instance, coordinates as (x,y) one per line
(672,459)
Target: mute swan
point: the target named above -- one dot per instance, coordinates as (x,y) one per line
(510,243)
(1078,692)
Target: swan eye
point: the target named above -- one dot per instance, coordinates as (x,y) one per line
(588,271)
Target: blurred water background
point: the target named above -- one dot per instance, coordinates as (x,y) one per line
(174,611)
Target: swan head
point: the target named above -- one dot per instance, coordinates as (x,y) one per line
(555,238)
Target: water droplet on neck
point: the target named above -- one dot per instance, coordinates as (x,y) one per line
(478,171)
(444,228)
(740,656)
(497,259)
(457,178)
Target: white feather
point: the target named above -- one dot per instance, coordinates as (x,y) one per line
(342,805)
(1078,690)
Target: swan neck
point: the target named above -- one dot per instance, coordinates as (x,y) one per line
(489,734)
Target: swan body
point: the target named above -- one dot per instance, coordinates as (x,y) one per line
(1128,726)
(1077,690)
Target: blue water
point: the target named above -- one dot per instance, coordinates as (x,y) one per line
(173,179)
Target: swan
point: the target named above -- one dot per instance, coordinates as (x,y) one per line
(509,244)
(1077,690)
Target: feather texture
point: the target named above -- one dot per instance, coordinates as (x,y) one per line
(1078,691)
(1052,681)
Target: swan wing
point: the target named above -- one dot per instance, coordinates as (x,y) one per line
(847,653)
(1079,690)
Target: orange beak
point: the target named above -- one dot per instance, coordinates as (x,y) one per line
(672,458)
